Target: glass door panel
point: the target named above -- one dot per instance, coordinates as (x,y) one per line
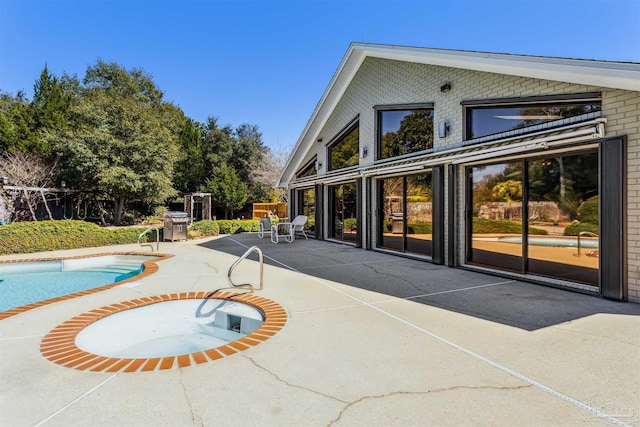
(343,225)
(562,206)
(349,213)
(392,209)
(309,209)
(496,215)
(419,215)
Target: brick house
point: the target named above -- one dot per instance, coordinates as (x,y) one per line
(524,167)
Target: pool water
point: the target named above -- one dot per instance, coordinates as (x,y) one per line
(26,283)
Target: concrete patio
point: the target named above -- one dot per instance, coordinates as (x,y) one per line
(371,339)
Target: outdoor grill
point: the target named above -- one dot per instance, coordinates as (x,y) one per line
(175,225)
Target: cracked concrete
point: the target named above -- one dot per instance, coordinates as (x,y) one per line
(419,393)
(358,348)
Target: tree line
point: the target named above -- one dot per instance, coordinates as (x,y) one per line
(112,134)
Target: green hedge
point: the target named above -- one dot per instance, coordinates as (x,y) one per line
(588,217)
(494,226)
(206,227)
(28,237)
(576,228)
(224,226)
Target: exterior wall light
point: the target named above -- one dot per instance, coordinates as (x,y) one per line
(443,129)
(445,87)
(364,151)
(318,165)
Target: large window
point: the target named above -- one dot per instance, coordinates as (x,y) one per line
(406,205)
(491,117)
(555,199)
(308,170)
(344,151)
(404,131)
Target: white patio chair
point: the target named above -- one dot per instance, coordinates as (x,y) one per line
(297,226)
(288,230)
(265,226)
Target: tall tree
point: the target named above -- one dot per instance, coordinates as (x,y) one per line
(16,124)
(189,169)
(228,190)
(51,104)
(249,148)
(122,145)
(218,144)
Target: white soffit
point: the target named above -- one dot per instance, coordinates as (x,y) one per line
(617,75)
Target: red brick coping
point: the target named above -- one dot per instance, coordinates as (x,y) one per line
(59,346)
(150,267)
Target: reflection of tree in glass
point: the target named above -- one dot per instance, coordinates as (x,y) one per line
(392,189)
(414,134)
(345,152)
(568,181)
(419,188)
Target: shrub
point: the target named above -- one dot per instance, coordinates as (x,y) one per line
(233,226)
(206,227)
(28,237)
(588,211)
(576,228)
(419,228)
(494,226)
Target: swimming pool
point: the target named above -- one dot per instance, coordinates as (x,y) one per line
(24,283)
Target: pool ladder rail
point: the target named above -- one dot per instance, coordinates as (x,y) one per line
(248,286)
(584,233)
(151,227)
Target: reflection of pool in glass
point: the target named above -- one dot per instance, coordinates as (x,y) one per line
(553,241)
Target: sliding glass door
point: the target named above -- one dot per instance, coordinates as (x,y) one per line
(406,209)
(536,216)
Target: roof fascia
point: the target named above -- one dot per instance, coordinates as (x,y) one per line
(337,86)
(616,75)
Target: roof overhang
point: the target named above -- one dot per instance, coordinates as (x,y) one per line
(615,75)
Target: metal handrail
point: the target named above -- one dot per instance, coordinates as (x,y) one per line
(149,228)
(584,233)
(242,258)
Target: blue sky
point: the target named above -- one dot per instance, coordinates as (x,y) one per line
(267,63)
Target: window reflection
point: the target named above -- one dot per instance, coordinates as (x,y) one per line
(562,205)
(497,213)
(407,210)
(419,196)
(343,225)
(404,132)
(485,121)
(308,205)
(345,152)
